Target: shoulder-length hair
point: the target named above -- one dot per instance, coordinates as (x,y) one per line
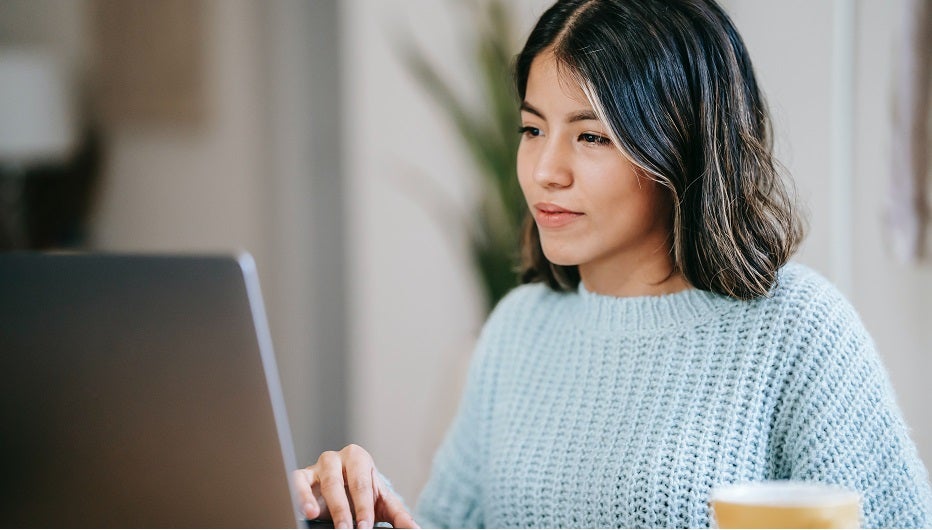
(673,83)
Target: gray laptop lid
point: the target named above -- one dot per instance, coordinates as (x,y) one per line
(139,391)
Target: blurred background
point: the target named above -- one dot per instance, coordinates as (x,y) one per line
(339,142)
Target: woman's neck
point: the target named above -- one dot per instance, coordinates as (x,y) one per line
(629,280)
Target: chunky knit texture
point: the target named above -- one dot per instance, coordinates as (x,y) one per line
(583,410)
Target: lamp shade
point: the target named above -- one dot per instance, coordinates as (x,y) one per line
(36,112)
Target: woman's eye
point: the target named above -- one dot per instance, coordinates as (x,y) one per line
(529,131)
(594,139)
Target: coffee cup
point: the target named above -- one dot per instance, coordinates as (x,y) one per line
(785,504)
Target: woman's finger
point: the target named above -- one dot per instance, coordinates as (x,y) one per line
(391,509)
(358,465)
(333,489)
(304,487)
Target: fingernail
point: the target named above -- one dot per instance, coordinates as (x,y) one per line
(343,524)
(363,524)
(308,509)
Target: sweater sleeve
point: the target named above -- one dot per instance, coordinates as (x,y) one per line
(842,424)
(451,497)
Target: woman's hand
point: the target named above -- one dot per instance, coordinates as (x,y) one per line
(344,484)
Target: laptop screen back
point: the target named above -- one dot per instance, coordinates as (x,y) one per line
(139,391)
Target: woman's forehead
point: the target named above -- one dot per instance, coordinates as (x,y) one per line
(552,81)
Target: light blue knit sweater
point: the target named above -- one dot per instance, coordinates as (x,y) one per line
(583,410)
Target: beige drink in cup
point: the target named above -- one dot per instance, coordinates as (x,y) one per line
(785,504)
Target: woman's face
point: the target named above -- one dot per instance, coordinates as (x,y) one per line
(592,207)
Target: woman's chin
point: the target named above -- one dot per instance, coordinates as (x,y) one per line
(560,257)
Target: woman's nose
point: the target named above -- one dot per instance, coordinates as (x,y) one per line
(553,168)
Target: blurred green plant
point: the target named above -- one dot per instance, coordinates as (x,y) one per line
(489,135)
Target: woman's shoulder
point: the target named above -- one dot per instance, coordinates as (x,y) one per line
(801,286)
(806,299)
(528,297)
(521,305)
(795,277)
(512,319)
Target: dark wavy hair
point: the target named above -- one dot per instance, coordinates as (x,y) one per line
(674,85)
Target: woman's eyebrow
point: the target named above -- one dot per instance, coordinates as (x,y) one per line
(579,115)
(526,107)
(582,115)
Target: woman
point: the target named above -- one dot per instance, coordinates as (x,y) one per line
(660,345)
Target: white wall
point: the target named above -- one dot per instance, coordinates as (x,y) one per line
(895,300)
(195,187)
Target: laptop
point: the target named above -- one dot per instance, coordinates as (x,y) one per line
(139,391)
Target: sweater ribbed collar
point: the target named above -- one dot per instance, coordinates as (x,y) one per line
(620,315)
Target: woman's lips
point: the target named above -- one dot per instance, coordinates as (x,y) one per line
(552,216)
